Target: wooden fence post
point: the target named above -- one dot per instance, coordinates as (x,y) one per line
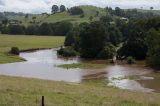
(42,100)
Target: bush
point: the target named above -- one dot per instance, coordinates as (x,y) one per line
(66,52)
(130,60)
(15,51)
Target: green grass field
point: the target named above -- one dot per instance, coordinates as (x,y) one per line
(82,65)
(28,92)
(24,42)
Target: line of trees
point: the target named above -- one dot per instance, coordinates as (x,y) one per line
(72,11)
(58,29)
(56,9)
(140,39)
(130,13)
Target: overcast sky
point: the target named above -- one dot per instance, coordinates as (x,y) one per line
(39,6)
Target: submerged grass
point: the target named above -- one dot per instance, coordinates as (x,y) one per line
(82,65)
(14,90)
(24,42)
(131,77)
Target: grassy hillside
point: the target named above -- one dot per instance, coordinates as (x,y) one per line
(64,16)
(28,92)
(25,42)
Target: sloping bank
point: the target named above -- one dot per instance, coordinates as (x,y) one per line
(14,90)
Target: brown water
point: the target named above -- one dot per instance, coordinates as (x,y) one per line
(42,65)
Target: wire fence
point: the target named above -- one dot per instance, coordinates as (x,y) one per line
(42,103)
(26,104)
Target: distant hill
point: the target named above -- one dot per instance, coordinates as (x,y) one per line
(156,12)
(64,16)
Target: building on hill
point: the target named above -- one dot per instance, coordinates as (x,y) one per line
(14,22)
(124,19)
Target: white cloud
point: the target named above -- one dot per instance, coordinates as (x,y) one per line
(38,6)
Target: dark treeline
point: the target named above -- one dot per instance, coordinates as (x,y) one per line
(58,28)
(12,14)
(62,28)
(137,38)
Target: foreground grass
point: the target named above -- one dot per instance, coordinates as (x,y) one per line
(25,42)
(82,65)
(22,91)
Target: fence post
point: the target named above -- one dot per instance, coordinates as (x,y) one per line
(42,100)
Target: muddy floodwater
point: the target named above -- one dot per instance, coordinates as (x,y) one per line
(42,64)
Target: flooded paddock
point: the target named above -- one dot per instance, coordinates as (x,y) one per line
(42,64)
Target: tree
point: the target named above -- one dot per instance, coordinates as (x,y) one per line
(62,8)
(135,45)
(109,10)
(151,8)
(92,39)
(55,9)
(106,19)
(91,18)
(76,11)
(97,14)
(61,28)
(32,30)
(72,37)
(153,55)
(45,29)
(34,17)
(107,52)
(5,21)
(119,12)
(26,16)
(115,36)
(16,29)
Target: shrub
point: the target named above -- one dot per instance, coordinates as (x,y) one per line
(67,52)
(60,51)
(82,15)
(130,60)
(15,51)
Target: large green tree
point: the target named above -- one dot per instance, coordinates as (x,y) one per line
(62,8)
(61,28)
(55,9)
(92,39)
(135,45)
(45,29)
(76,11)
(16,29)
(32,30)
(153,41)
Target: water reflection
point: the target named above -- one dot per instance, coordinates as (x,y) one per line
(42,64)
